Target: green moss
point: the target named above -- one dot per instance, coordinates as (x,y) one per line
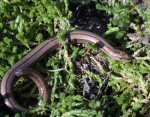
(22,23)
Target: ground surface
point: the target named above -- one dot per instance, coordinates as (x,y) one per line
(83,81)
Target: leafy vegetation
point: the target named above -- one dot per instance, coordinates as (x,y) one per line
(117,88)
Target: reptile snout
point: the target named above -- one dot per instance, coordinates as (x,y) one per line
(124,56)
(18,73)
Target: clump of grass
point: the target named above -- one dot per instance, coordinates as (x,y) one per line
(22,24)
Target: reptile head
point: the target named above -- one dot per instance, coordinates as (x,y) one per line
(123,56)
(18,73)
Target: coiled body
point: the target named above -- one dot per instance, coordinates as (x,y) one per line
(39,52)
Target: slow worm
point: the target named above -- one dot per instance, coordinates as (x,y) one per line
(48,45)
